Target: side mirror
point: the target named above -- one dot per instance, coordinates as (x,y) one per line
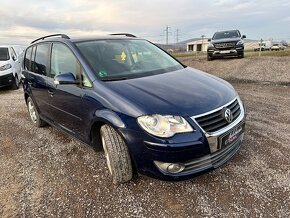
(65,79)
(209,40)
(14,58)
(244,36)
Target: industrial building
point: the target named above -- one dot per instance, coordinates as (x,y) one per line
(199,45)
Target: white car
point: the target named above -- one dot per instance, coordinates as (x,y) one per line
(10,67)
(277,47)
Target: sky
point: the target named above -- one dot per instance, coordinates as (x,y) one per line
(23,21)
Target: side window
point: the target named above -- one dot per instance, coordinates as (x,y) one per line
(33,59)
(41,59)
(27,59)
(63,61)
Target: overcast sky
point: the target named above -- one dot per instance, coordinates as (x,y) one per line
(23,21)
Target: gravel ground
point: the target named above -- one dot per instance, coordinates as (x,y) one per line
(45,173)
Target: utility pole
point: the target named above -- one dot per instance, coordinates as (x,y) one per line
(167,33)
(202,37)
(261,41)
(177,35)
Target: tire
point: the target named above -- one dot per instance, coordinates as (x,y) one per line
(242,55)
(15,84)
(209,58)
(34,115)
(117,155)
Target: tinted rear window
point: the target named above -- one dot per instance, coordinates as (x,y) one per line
(4,54)
(41,59)
(27,59)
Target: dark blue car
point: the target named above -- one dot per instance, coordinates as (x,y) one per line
(124,95)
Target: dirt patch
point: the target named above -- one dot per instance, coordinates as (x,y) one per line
(267,70)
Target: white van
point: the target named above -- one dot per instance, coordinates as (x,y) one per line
(10,67)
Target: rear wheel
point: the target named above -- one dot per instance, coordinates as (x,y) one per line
(34,115)
(117,155)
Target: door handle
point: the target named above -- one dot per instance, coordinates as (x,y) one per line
(51,93)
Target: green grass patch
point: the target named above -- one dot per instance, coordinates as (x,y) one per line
(283,53)
(248,53)
(189,54)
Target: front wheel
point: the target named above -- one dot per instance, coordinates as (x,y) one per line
(209,58)
(117,155)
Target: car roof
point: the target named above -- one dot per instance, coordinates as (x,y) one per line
(106,37)
(227,31)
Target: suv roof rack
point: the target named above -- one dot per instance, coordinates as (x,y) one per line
(53,35)
(123,34)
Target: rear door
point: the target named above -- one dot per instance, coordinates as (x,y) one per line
(36,69)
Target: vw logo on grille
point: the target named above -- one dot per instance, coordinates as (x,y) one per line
(227,114)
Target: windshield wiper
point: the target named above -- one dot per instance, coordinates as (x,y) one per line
(113,78)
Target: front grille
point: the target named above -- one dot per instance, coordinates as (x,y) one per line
(215,121)
(225,45)
(213,160)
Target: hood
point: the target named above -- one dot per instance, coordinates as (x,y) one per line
(225,40)
(185,92)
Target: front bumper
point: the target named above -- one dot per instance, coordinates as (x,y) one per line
(236,51)
(198,151)
(6,80)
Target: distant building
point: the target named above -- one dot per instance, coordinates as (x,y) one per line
(178,47)
(199,45)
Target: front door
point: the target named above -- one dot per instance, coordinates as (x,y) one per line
(65,100)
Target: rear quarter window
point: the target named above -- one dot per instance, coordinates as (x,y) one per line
(27,59)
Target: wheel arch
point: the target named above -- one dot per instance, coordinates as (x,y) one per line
(103,117)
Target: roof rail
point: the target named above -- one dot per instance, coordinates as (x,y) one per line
(42,38)
(123,34)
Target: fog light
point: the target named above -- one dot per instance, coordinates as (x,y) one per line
(175,168)
(170,167)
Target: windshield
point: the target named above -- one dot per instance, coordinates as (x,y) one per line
(117,59)
(4,54)
(226,34)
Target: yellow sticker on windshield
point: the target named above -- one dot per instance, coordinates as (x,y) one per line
(123,56)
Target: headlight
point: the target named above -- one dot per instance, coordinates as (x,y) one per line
(240,42)
(164,126)
(210,45)
(5,67)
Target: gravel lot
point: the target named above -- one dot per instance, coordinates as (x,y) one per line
(45,173)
